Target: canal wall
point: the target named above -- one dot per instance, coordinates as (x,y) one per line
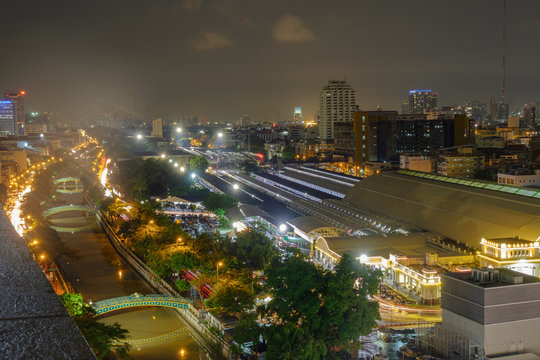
(194,317)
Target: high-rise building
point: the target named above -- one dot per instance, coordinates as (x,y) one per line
(477,110)
(297,118)
(337,103)
(405,107)
(8,117)
(420,100)
(157,127)
(17,97)
(245,120)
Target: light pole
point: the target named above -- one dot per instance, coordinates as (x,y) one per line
(217,271)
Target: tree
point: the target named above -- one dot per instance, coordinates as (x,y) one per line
(233,297)
(102,338)
(253,248)
(198,164)
(288,153)
(247,330)
(249,166)
(324,310)
(216,201)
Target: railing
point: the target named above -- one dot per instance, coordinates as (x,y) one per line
(192,316)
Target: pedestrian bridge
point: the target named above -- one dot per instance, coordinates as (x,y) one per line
(65,208)
(119,303)
(69,185)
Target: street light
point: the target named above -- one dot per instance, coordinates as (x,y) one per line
(217,271)
(178,130)
(282,227)
(163,156)
(175,164)
(220,135)
(182,169)
(193,175)
(139,136)
(235,186)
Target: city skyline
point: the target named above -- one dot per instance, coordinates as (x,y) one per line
(224,59)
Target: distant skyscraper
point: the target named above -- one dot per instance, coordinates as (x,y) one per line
(157,128)
(297,114)
(405,108)
(337,103)
(17,97)
(245,120)
(420,100)
(8,117)
(476,110)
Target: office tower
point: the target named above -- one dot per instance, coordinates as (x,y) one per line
(245,120)
(297,118)
(503,110)
(477,110)
(420,100)
(492,108)
(17,97)
(157,127)
(405,108)
(8,117)
(337,103)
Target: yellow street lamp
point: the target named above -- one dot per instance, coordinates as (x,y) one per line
(219,264)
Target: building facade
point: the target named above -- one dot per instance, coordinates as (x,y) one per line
(496,309)
(420,100)
(337,103)
(8,117)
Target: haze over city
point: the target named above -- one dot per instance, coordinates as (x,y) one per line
(222,59)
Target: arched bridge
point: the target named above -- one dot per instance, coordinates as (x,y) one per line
(124,302)
(65,208)
(69,185)
(156,339)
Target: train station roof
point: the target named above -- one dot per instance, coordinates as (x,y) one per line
(461,212)
(310,224)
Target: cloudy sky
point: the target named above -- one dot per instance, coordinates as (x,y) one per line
(225,58)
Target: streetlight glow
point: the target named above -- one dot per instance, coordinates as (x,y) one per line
(193,175)
(182,169)
(220,135)
(235,186)
(139,136)
(178,130)
(282,227)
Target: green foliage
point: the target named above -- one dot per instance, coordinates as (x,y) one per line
(183,285)
(247,329)
(198,164)
(249,166)
(181,261)
(103,338)
(233,297)
(216,201)
(332,307)
(253,249)
(145,178)
(484,174)
(288,153)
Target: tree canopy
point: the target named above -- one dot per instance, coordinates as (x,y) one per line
(102,338)
(198,164)
(324,310)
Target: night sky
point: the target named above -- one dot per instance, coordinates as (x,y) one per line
(224,58)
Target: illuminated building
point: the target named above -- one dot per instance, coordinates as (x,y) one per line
(297,118)
(462,163)
(8,117)
(17,97)
(337,103)
(420,100)
(157,128)
(512,253)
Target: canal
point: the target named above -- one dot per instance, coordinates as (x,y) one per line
(92,266)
